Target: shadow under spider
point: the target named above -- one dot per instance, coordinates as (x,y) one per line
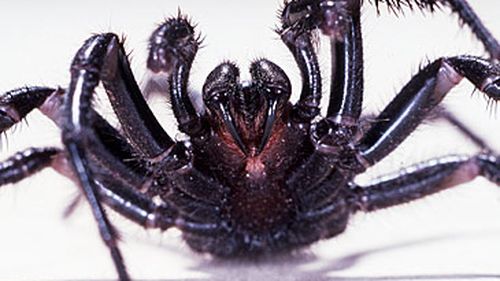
(291,266)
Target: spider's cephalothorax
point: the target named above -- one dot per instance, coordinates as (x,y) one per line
(256,143)
(258,175)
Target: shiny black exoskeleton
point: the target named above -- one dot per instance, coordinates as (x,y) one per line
(258,174)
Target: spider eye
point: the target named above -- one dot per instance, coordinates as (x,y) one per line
(216,96)
(275,90)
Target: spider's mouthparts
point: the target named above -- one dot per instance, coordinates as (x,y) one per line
(229,122)
(270,118)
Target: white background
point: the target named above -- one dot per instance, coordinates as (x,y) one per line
(453,234)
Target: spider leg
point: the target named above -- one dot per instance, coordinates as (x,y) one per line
(298,37)
(420,96)
(78,133)
(346,93)
(314,181)
(173,46)
(92,162)
(134,205)
(17,103)
(117,170)
(115,157)
(412,183)
(340,20)
(143,210)
(465,13)
(425,179)
(138,123)
(25,163)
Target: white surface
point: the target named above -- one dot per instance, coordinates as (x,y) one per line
(453,235)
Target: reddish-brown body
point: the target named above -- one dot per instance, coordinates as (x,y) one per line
(258,198)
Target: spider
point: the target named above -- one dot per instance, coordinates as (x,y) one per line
(259,175)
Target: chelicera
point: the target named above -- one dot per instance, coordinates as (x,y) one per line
(258,175)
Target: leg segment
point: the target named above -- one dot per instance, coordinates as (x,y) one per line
(420,96)
(24,164)
(16,104)
(297,36)
(340,20)
(138,122)
(173,46)
(77,132)
(142,210)
(346,93)
(425,179)
(108,234)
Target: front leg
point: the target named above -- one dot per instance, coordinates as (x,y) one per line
(425,179)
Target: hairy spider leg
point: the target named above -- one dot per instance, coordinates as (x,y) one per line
(25,163)
(77,131)
(469,17)
(173,46)
(90,161)
(298,38)
(425,91)
(340,20)
(17,103)
(32,160)
(315,182)
(412,183)
(346,91)
(137,121)
(410,107)
(425,179)
(334,137)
